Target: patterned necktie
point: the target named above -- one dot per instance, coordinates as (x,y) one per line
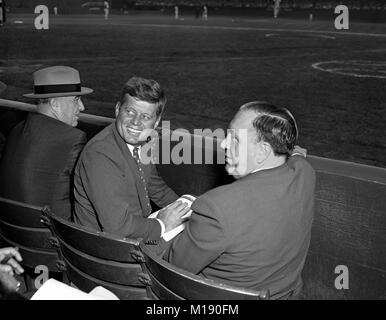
(142,175)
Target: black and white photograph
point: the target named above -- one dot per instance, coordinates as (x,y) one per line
(211,151)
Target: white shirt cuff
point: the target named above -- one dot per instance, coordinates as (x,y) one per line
(162,227)
(298,154)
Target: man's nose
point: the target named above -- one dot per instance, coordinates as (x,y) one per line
(136,120)
(223,144)
(81,106)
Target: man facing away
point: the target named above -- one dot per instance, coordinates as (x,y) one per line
(276,8)
(255,232)
(113,188)
(40,152)
(3,12)
(106,9)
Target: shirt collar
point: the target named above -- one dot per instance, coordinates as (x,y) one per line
(131,148)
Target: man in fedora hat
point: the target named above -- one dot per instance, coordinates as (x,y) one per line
(41,152)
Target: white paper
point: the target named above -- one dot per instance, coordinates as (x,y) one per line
(56,290)
(187,199)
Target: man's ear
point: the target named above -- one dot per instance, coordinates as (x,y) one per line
(117,106)
(53,102)
(263,151)
(157,122)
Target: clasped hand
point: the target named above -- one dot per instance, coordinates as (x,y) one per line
(172,215)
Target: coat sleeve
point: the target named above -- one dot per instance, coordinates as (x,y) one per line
(112,193)
(202,241)
(159,191)
(63,197)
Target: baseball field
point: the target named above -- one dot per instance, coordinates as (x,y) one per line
(334,81)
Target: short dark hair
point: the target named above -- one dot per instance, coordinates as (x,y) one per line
(275,125)
(145,90)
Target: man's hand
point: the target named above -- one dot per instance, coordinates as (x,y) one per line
(172,215)
(9,258)
(8,284)
(297,150)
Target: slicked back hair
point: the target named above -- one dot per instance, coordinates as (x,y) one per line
(145,90)
(275,125)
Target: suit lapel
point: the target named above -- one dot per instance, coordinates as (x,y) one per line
(144,201)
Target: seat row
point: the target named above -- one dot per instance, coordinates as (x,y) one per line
(86,258)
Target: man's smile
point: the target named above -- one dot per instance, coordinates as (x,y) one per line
(133,131)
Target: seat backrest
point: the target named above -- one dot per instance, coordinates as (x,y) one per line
(93,258)
(20,226)
(167,282)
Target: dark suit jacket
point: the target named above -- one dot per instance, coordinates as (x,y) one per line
(109,194)
(252,233)
(38,163)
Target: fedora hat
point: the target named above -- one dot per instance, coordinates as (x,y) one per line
(57,81)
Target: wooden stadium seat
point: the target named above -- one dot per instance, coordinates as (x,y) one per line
(21,226)
(93,258)
(167,282)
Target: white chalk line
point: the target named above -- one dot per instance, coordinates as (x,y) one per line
(366,72)
(343,33)
(25,63)
(270,35)
(152,25)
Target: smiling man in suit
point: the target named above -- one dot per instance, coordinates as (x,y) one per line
(40,153)
(113,187)
(255,232)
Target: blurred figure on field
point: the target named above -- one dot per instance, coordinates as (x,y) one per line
(176,13)
(205,13)
(276,8)
(197,12)
(106,8)
(3,17)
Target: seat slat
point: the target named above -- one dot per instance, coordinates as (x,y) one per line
(107,270)
(82,238)
(34,257)
(37,238)
(86,283)
(95,258)
(21,226)
(168,281)
(20,214)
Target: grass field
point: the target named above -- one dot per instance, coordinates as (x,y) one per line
(209,69)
